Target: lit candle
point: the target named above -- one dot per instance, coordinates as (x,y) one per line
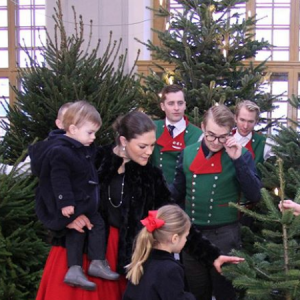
(276,191)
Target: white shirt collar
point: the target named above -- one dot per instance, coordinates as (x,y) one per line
(243,140)
(179,126)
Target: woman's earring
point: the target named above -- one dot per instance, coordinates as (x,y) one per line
(124,148)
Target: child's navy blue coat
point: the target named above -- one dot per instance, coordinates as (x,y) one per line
(67,177)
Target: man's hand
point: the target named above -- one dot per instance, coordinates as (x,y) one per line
(67,211)
(226,259)
(79,223)
(233,148)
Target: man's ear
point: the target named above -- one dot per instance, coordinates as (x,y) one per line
(235,119)
(202,127)
(162,106)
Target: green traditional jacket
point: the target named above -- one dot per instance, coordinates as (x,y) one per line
(168,159)
(256,146)
(210,185)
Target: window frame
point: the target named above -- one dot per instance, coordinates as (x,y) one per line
(11,72)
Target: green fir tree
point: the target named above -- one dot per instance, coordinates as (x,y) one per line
(23,247)
(70,72)
(287,147)
(207,48)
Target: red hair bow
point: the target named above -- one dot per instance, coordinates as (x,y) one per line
(151,223)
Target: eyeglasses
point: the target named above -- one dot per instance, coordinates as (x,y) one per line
(221,139)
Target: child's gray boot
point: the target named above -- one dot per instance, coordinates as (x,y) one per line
(76,277)
(101,268)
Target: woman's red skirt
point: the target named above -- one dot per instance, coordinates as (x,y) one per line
(52,286)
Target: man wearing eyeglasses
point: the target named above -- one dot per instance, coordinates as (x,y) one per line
(210,174)
(173,133)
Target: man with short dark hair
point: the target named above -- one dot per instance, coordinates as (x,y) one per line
(173,133)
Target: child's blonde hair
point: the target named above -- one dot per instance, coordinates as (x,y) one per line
(176,222)
(80,112)
(62,110)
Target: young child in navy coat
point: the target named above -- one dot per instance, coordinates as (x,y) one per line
(153,273)
(68,187)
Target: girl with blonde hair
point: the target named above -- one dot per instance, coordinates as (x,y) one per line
(153,272)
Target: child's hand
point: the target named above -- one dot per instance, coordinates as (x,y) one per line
(67,211)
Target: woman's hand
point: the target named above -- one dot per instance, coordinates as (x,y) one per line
(289,204)
(226,259)
(79,223)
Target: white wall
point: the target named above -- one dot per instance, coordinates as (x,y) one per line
(127,19)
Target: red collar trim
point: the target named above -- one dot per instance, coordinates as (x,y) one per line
(201,165)
(172,144)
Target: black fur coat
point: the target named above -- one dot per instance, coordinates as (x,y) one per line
(144,189)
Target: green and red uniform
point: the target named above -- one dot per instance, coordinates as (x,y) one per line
(167,149)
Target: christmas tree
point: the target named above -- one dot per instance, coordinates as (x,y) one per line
(287,147)
(70,72)
(22,238)
(209,50)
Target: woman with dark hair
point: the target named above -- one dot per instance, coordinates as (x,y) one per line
(129,186)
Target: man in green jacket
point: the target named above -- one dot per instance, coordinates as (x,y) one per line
(246,117)
(173,133)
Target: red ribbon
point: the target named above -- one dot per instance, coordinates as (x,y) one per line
(151,222)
